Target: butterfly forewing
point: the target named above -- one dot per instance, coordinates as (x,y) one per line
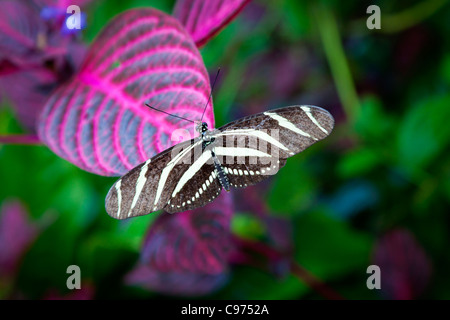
(291,129)
(256,147)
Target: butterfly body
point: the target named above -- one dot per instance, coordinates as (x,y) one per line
(241,153)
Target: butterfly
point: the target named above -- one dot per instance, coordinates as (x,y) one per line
(241,153)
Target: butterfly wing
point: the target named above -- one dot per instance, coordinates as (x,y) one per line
(197,187)
(253,148)
(178,179)
(148,186)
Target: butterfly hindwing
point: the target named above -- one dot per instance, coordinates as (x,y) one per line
(202,188)
(243,175)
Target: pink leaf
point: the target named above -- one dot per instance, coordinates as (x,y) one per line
(187,253)
(176,283)
(99,122)
(203,19)
(405,267)
(17,232)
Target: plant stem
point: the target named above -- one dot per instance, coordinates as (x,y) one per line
(20,139)
(413,15)
(334,51)
(313,282)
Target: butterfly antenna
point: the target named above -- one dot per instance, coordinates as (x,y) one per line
(173,115)
(209,99)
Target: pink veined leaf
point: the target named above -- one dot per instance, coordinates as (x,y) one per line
(17,233)
(204,19)
(176,283)
(98,121)
(405,267)
(187,253)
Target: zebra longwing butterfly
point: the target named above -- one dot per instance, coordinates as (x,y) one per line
(242,153)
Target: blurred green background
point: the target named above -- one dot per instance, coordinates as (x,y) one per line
(385,167)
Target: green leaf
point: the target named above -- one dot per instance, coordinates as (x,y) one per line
(373,123)
(296,20)
(358,162)
(254,284)
(247,226)
(424,132)
(326,248)
(329,248)
(445,69)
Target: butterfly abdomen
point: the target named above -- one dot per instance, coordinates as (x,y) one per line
(221,175)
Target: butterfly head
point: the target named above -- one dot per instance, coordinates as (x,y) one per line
(202,127)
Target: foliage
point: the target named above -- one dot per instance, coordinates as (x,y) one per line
(377,187)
